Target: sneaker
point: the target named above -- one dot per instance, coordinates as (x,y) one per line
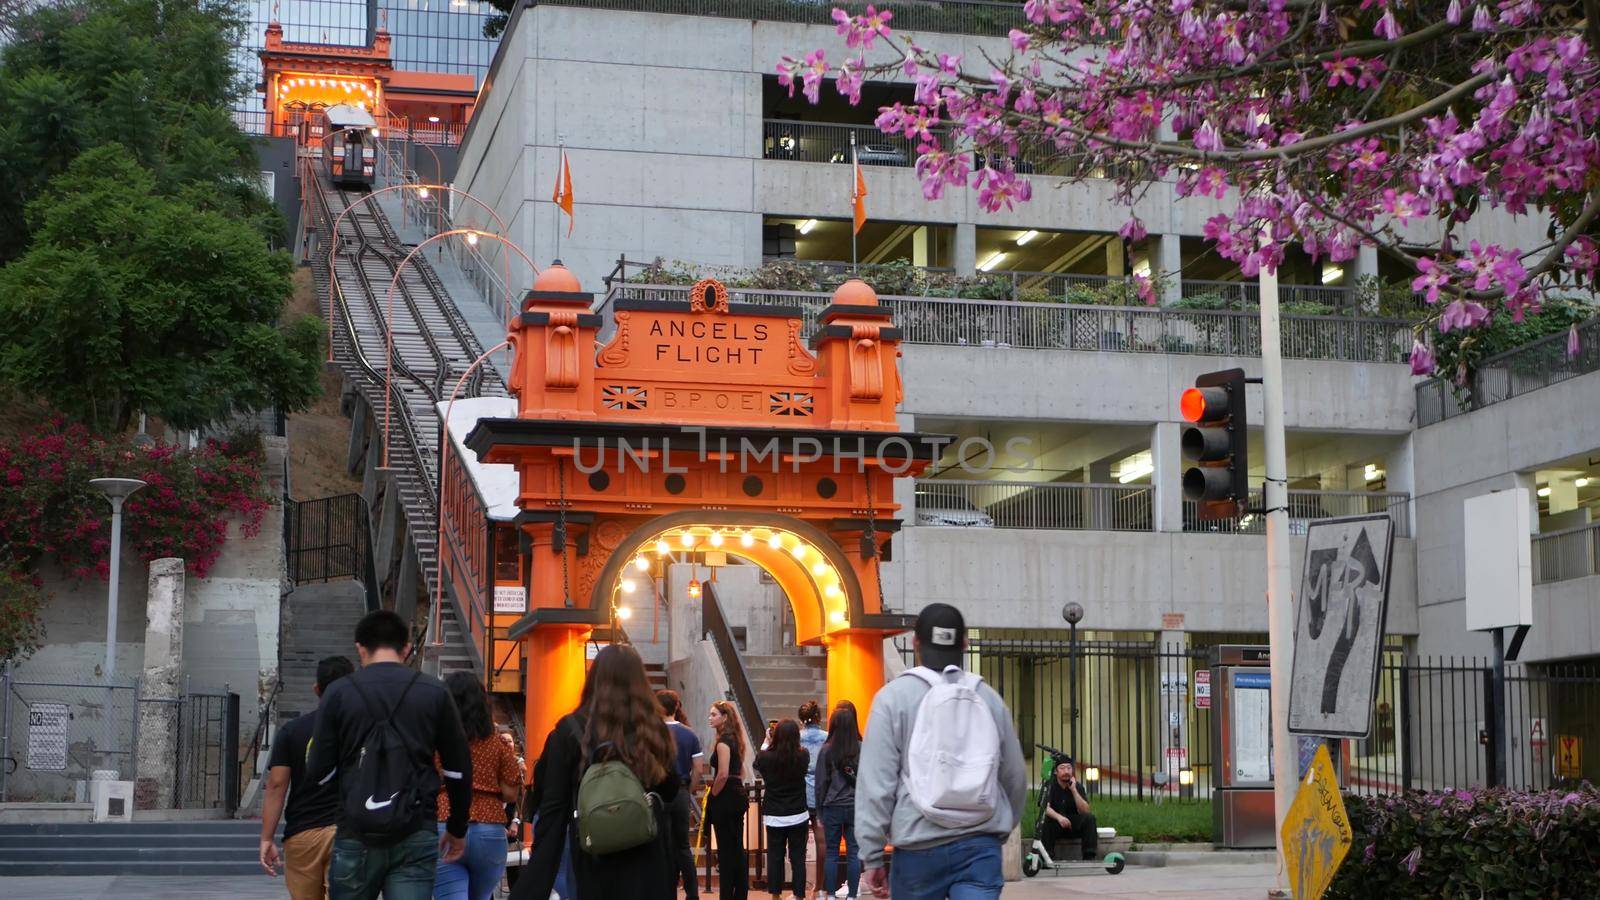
(842,892)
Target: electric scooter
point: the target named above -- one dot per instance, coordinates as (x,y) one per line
(1038,856)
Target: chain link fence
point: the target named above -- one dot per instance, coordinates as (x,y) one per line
(59,726)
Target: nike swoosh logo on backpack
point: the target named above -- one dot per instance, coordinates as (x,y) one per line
(371,805)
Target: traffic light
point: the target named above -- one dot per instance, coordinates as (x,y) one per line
(1217,443)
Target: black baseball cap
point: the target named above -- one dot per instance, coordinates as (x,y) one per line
(941,634)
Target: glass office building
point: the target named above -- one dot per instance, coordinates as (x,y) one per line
(425,36)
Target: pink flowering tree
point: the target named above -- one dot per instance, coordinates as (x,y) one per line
(1325,124)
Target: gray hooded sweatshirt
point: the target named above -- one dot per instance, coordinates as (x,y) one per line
(884,811)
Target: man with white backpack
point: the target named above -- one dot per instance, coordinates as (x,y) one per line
(941,776)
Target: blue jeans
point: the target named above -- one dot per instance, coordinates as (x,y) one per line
(478,872)
(964,869)
(840,821)
(402,871)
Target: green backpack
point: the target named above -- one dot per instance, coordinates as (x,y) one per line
(614,811)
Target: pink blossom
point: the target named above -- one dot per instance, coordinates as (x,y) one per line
(1341,70)
(1422,362)
(1145,289)
(1132,230)
(1453,13)
(849,81)
(1572,342)
(1404,206)
(1462,314)
(1387,28)
(1433,277)
(861,31)
(1207,138)
(1019,40)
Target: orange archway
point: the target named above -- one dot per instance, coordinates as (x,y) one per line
(700,424)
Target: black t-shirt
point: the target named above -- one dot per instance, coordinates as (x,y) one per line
(309,805)
(1061,799)
(735,763)
(426,717)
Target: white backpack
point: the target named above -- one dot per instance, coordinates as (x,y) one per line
(953,760)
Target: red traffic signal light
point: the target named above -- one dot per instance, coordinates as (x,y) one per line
(1216,443)
(1205,404)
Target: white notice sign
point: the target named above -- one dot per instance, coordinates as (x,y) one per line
(47,736)
(510,599)
(1252,728)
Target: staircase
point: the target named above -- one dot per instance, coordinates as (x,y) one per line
(322,623)
(220,849)
(782,682)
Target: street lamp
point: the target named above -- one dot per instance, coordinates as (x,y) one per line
(116,491)
(1073,613)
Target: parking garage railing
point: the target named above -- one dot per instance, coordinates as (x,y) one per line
(1032,504)
(1305,507)
(1511,374)
(995,18)
(1567,554)
(1120,507)
(1025,325)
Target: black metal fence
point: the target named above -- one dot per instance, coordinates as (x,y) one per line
(1131,713)
(328,539)
(208,752)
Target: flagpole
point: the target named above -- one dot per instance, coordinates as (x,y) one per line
(561,170)
(855,169)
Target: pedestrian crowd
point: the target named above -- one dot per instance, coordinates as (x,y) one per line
(402,785)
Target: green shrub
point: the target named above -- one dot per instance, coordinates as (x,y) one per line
(1470,844)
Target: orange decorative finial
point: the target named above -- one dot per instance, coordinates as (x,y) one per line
(557,277)
(855,292)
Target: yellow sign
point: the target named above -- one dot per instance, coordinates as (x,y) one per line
(1316,834)
(1569,756)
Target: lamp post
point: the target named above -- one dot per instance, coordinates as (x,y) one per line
(116,491)
(1073,613)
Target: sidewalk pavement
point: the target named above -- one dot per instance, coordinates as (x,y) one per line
(1230,881)
(1205,882)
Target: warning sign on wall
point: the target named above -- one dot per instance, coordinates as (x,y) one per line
(1569,756)
(47,736)
(1202,689)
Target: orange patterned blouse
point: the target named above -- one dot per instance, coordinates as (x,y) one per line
(493,763)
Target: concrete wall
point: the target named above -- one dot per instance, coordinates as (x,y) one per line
(230,623)
(1142,388)
(1016,578)
(661,117)
(1495,448)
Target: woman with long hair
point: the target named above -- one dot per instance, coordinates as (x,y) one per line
(725,807)
(496,781)
(619,721)
(836,795)
(782,767)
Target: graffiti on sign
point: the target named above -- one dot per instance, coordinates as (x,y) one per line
(1316,833)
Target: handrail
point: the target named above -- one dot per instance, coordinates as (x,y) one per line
(716,625)
(408,432)
(250,758)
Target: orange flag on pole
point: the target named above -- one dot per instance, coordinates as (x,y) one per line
(858,191)
(562,195)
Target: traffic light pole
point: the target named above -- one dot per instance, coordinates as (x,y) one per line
(1280,600)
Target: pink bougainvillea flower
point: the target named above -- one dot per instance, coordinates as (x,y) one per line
(1422,362)
(1462,314)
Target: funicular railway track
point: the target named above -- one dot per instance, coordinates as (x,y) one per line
(432,346)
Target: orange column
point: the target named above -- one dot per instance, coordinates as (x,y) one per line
(855,669)
(555,680)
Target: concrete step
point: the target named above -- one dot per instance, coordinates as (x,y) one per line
(244,868)
(195,827)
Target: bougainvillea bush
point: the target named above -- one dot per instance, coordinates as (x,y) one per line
(1481,843)
(49,512)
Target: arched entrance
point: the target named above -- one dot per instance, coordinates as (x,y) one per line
(701,425)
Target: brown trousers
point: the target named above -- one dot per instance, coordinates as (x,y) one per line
(306,855)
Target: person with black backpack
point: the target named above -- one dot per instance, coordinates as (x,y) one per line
(377,732)
(836,796)
(609,777)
